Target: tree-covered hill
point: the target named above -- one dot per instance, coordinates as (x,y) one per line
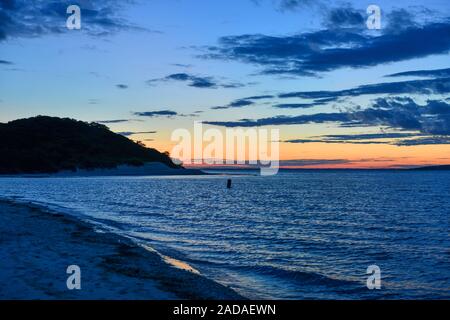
(48,144)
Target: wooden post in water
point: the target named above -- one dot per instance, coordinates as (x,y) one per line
(229,183)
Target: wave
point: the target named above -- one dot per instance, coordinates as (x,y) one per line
(130,258)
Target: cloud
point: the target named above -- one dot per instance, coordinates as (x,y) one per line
(182,65)
(284,120)
(332,141)
(130,133)
(436,73)
(122,86)
(160,113)
(294,105)
(416,141)
(261,97)
(311,53)
(369,138)
(6,62)
(345,17)
(399,113)
(317,102)
(20,18)
(287,5)
(429,86)
(424,141)
(399,20)
(196,81)
(239,103)
(312,162)
(113,121)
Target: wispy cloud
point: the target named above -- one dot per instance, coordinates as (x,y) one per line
(436,73)
(131,133)
(203,82)
(315,103)
(401,113)
(21,18)
(113,121)
(160,113)
(429,86)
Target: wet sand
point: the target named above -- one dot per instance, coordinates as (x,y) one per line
(37,246)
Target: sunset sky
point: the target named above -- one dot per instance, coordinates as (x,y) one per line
(342,95)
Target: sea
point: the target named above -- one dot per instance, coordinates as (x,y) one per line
(301,234)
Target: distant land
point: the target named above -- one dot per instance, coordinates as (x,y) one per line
(43,144)
(441,167)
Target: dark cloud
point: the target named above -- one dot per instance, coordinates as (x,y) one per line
(130,133)
(369,138)
(122,86)
(8,4)
(424,141)
(294,105)
(294,4)
(241,103)
(113,121)
(315,103)
(284,120)
(196,81)
(312,162)
(6,62)
(332,141)
(160,113)
(20,18)
(235,104)
(399,20)
(399,113)
(345,17)
(436,73)
(429,86)
(261,97)
(248,101)
(310,53)
(401,139)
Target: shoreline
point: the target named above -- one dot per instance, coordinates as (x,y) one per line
(37,246)
(148,169)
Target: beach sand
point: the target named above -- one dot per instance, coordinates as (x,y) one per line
(37,246)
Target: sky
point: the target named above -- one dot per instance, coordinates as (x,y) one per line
(341,94)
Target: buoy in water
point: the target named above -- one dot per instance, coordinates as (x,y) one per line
(229,183)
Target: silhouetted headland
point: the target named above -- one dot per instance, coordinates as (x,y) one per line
(43,145)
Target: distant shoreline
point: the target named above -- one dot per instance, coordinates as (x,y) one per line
(148,169)
(38,245)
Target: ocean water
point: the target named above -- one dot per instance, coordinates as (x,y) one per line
(296,235)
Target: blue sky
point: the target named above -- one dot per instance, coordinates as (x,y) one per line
(201,59)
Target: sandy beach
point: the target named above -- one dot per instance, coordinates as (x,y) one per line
(37,246)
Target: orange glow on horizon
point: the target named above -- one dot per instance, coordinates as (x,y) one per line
(353,156)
